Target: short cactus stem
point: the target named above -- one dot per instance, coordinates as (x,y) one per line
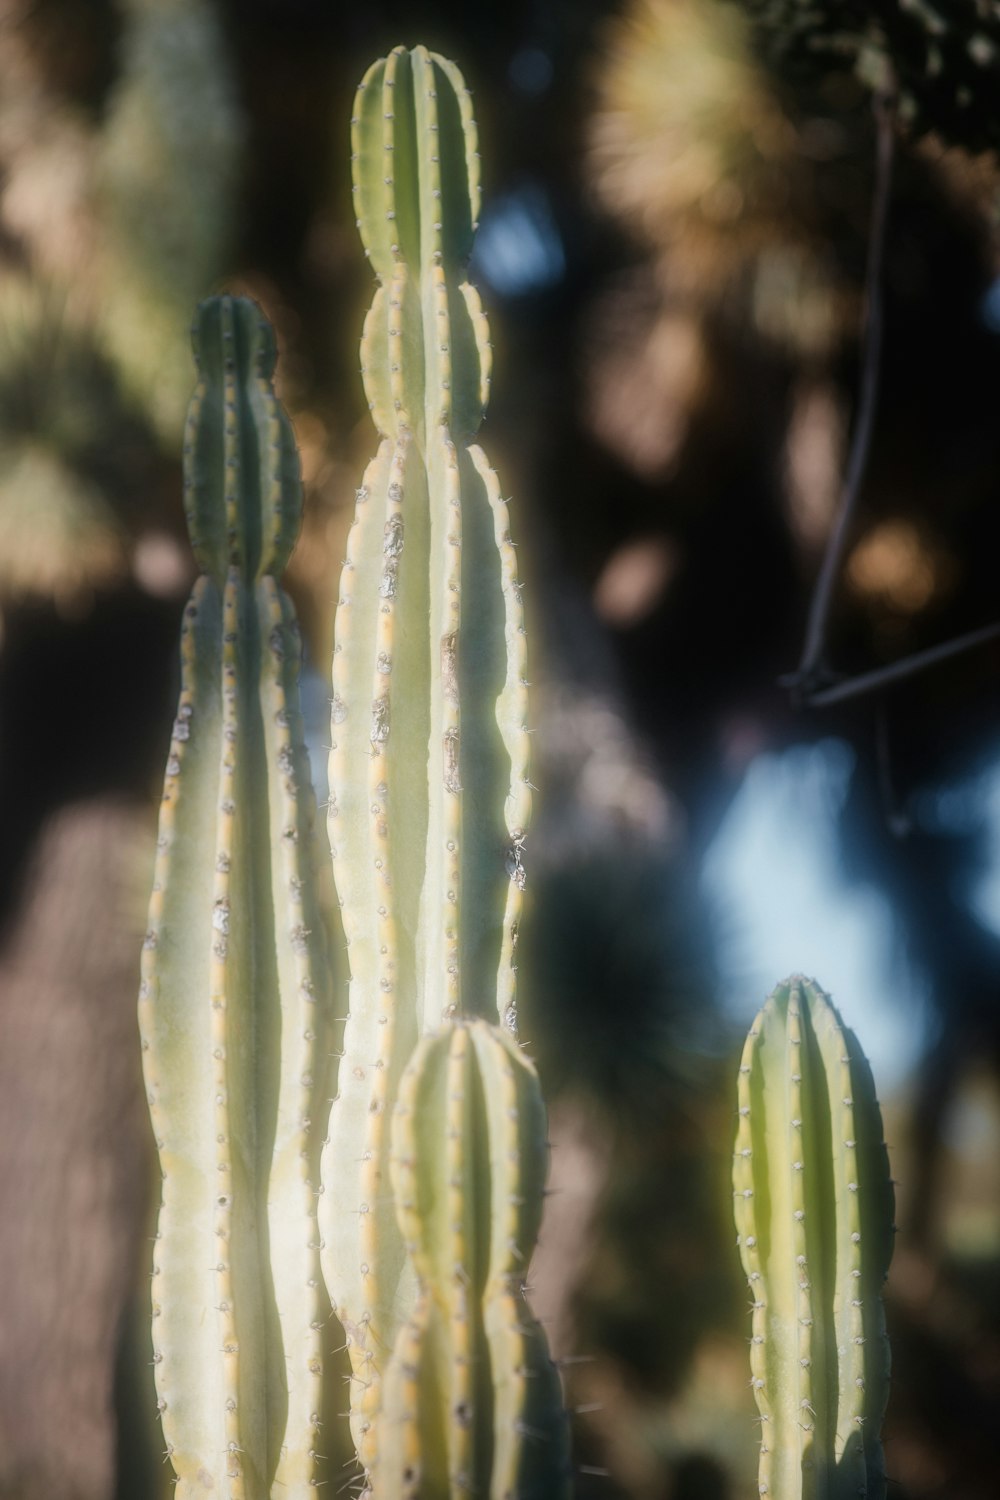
(232,1001)
(428,769)
(813,1204)
(471,1403)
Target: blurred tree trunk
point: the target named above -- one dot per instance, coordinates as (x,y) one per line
(74,1146)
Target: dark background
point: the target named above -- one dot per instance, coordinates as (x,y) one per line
(674,240)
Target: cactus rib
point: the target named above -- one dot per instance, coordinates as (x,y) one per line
(232,987)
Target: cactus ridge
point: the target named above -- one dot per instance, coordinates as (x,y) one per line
(430,796)
(813,1204)
(232,982)
(472,1403)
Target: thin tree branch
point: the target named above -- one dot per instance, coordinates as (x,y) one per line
(811,663)
(908,666)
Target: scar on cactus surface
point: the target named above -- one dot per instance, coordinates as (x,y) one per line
(814,1205)
(233,983)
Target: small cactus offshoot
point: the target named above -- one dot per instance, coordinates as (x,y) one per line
(471,1403)
(814,1213)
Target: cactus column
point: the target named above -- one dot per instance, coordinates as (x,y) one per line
(814,1209)
(428,771)
(233,986)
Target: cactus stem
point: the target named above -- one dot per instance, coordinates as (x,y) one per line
(812,1201)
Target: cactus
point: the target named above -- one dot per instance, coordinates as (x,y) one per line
(428,770)
(232,979)
(167,180)
(814,1207)
(471,1403)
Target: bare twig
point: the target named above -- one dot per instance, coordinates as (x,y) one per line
(908,666)
(811,663)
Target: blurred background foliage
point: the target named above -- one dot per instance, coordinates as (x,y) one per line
(673,250)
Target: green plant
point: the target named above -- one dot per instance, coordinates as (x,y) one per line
(429,802)
(814,1210)
(428,771)
(233,979)
(166,181)
(472,1402)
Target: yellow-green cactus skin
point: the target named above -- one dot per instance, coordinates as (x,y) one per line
(472,1403)
(814,1213)
(233,985)
(428,771)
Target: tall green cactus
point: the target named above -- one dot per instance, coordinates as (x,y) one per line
(231,1003)
(428,771)
(429,804)
(814,1209)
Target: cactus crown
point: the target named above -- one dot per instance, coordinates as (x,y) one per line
(414,204)
(239,446)
(425,351)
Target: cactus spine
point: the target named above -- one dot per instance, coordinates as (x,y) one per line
(814,1208)
(232,981)
(428,770)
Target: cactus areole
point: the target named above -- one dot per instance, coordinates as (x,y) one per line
(813,1204)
